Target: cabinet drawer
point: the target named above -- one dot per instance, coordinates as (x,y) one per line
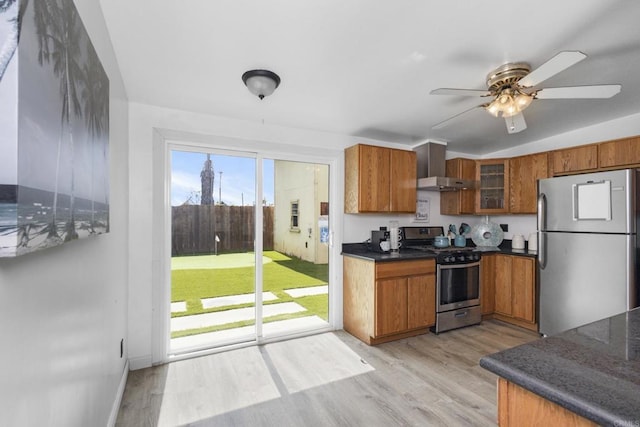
(404,268)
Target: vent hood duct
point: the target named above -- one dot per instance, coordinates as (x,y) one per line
(431,170)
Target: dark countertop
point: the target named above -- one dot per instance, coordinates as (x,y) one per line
(362,251)
(592,370)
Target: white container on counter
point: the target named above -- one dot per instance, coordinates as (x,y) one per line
(394,236)
(517,242)
(533,242)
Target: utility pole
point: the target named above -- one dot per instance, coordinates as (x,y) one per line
(220,188)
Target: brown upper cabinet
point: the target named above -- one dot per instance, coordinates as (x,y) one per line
(462,201)
(492,194)
(379,179)
(571,160)
(514,192)
(621,152)
(525,171)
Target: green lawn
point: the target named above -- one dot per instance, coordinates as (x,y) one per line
(283,272)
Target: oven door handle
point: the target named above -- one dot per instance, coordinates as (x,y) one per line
(450,266)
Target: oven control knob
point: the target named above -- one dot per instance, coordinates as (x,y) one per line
(461,258)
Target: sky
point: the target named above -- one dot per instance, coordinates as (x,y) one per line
(238,178)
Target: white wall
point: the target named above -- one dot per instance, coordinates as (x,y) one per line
(613,129)
(63,311)
(149,127)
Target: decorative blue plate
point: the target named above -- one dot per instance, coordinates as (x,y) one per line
(487,234)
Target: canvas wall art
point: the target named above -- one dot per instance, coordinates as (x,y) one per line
(54,128)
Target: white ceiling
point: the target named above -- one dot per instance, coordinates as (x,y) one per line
(366,67)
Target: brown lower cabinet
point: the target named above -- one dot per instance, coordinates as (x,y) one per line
(488,283)
(385,301)
(509,289)
(522,408)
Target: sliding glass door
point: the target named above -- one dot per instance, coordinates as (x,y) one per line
(249,247)
(213,268)
(296,240)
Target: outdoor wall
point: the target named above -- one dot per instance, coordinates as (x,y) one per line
(63,311)
(307,184)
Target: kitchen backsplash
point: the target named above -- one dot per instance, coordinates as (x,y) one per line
(357,227)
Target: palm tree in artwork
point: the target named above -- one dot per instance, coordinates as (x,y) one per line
(9,45)
(58,34)
(95,103)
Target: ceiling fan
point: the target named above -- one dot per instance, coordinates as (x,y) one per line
(512,89)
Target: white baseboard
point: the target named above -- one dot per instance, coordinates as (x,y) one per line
(113,417)
(140,362)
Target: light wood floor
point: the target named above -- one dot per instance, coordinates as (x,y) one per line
(330,379)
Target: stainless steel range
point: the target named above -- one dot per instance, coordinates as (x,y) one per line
(457,278)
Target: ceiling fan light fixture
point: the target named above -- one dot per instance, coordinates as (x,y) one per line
(511,111)
(523,100)
(493,109)
(261,82)
(509,102)
(512,87)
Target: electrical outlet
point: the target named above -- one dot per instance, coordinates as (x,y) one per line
(505,227)
(121,348)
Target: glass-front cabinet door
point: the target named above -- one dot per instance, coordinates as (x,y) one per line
(493,191)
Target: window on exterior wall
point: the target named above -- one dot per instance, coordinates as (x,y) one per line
(294,216)
(324,208)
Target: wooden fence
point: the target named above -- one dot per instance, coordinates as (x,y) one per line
(194,228)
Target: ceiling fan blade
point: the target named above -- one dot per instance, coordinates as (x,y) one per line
(515,123)
(558,63)
(594,91)
(451,119)
(460,92)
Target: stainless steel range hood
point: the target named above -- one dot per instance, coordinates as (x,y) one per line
(431,170)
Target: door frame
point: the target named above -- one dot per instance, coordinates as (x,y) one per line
(163,142)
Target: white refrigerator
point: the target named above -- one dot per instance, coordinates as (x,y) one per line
(587,248)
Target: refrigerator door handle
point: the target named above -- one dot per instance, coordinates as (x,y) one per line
(542,225)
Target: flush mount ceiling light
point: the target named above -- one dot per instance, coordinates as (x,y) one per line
(261,82)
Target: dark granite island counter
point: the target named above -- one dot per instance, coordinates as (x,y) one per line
(592,371)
